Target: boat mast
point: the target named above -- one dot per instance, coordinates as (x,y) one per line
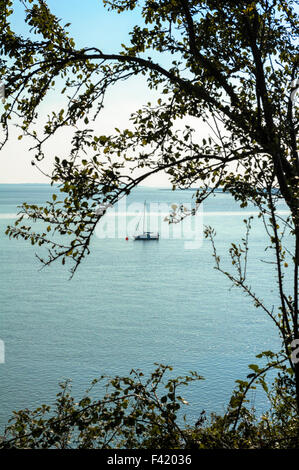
(144,217)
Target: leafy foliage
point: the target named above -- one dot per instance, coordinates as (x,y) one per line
(228,65)
(232,66)
(137,413)
(134,413)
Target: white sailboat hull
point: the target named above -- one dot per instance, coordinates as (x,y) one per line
(147,236)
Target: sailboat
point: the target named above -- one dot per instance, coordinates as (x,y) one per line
(145,235)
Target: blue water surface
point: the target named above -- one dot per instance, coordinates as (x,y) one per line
(130,305)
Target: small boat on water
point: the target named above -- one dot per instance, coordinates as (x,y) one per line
(145,235)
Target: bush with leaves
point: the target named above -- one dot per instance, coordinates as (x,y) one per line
(140,413)
(133,413)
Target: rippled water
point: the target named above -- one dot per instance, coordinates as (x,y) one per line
(132,304)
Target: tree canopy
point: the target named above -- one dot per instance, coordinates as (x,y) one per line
(231,65)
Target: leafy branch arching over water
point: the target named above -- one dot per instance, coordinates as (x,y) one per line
(230,66)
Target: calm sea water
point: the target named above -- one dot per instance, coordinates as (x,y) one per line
(131,304)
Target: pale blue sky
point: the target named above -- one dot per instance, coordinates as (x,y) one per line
(91,25)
